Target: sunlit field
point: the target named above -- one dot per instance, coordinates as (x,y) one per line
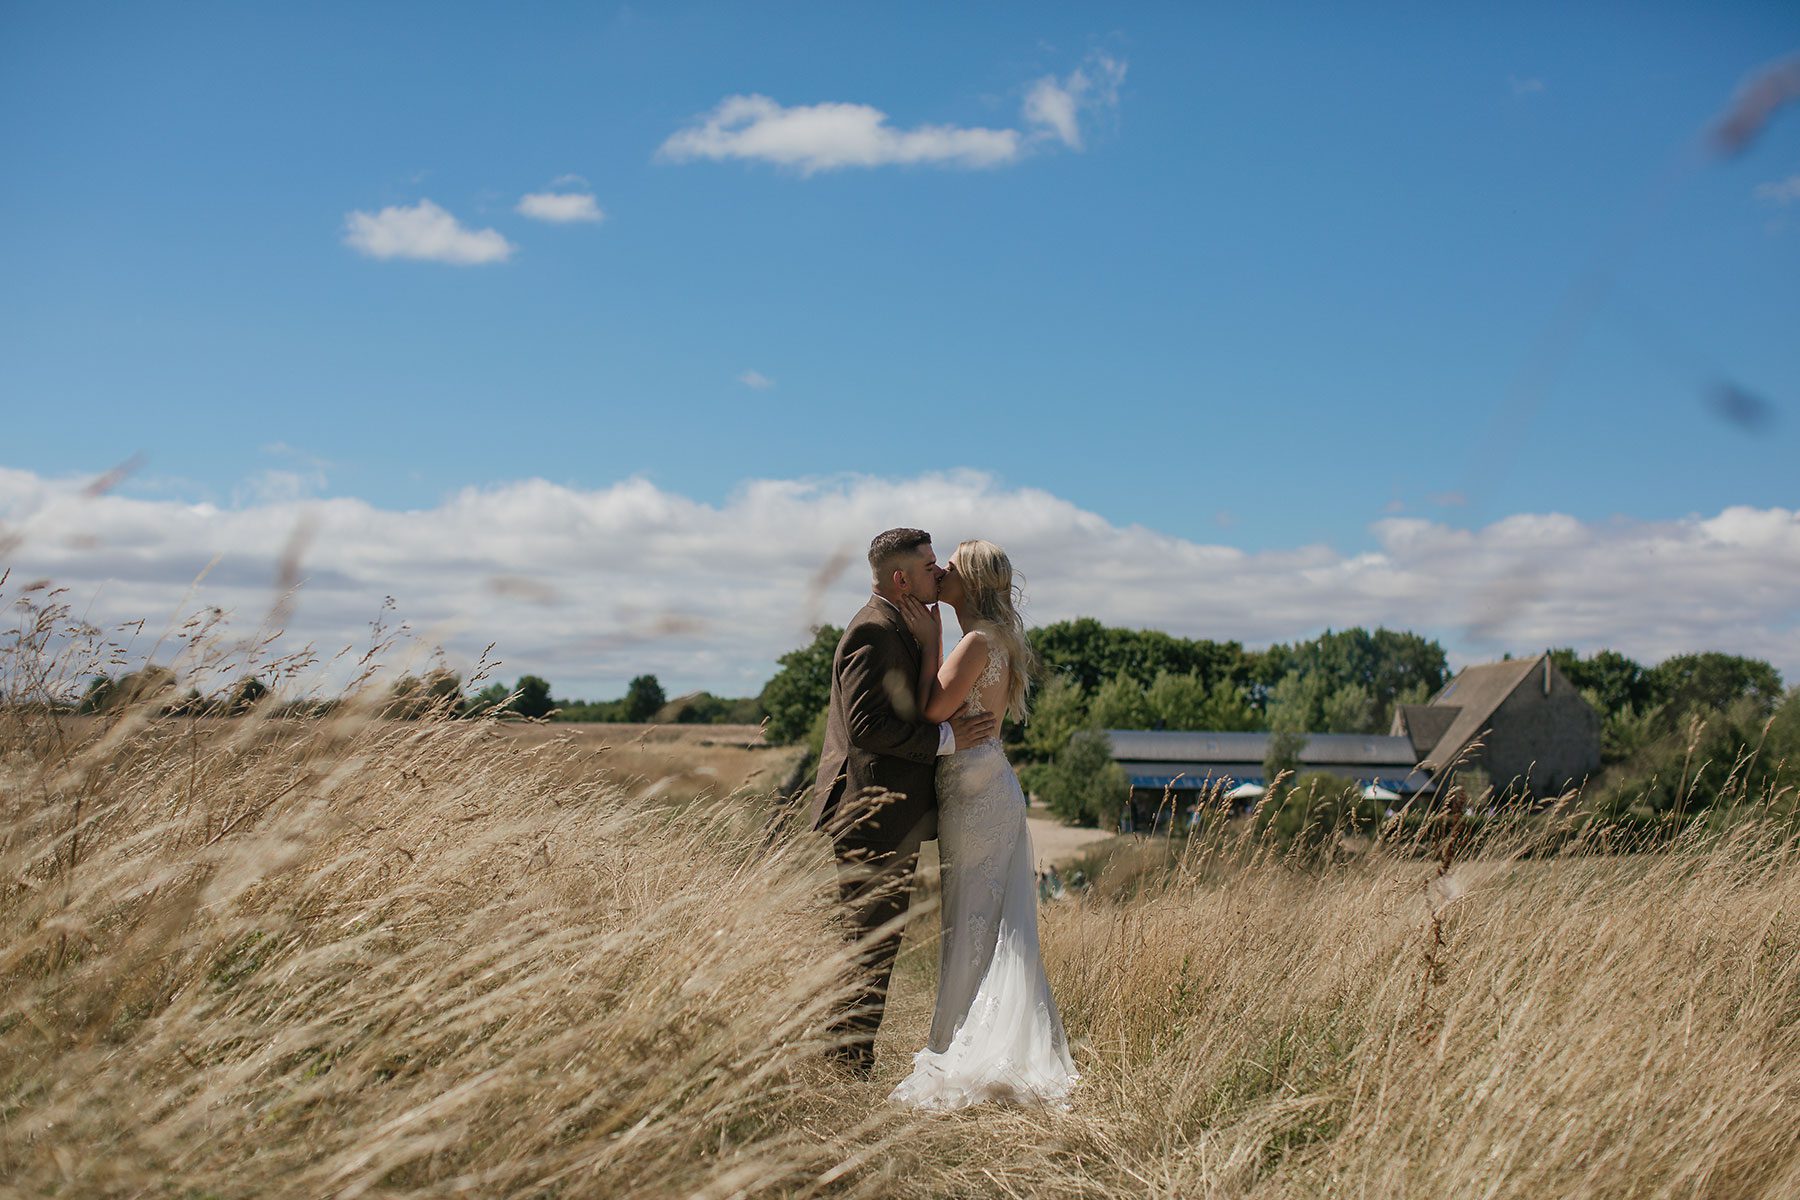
(352,956)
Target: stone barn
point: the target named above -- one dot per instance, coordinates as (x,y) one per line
(1520,721)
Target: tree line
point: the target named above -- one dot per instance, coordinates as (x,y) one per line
(1702,708)
(1695,732)
(1100,676)
(437,692)
(1689,730)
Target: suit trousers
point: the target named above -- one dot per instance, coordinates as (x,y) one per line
(875,885)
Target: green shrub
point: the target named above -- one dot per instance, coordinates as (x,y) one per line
(1083,785)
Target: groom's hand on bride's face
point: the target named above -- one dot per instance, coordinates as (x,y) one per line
(973,730)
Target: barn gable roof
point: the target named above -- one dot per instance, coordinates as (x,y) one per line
(1476,693)
(1425,724)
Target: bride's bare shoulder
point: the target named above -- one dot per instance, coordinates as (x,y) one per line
(978,641)
(969,647)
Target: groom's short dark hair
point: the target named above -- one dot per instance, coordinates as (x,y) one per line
(890,544)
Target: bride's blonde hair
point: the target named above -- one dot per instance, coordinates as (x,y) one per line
(994,596)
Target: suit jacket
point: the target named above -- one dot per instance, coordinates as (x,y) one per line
(876,740)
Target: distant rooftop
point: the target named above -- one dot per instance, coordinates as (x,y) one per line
(1476,692)
(1184,759)
(1179,745)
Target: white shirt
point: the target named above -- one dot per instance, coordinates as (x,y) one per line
(946,735)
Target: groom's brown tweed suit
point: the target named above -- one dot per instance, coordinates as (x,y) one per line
(876,796)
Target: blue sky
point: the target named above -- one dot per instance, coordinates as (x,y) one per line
(1274,284)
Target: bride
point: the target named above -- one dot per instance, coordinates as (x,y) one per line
(995,1033)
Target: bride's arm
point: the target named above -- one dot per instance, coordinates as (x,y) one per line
(949,688)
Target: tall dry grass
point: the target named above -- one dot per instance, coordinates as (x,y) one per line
(354,957)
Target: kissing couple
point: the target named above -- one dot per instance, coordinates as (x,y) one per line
(912,751)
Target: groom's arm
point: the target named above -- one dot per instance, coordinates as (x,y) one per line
(875,673)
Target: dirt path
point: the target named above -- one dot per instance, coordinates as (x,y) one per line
(1054,842)
(1051,842)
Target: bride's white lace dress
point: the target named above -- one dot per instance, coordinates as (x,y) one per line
(995,1033)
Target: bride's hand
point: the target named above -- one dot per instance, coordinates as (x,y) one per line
(923,622)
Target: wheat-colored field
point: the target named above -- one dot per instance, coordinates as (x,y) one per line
(672,763)
(349,957)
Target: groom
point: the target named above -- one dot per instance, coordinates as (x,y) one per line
(876,794)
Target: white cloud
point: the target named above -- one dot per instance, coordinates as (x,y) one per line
(825,137)
(559,207)
(589,588)
(302,476)
(756,379)
(423,231)
(1529,85)
(1056,106)
(278,485)
(1780,191)
(832,135)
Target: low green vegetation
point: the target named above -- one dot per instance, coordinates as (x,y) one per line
(437,692)
(1685,734)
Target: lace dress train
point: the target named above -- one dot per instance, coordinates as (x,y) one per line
(995,1032)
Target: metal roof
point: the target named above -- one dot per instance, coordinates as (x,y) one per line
(1201,748)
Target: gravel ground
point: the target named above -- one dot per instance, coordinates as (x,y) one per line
(1054,842)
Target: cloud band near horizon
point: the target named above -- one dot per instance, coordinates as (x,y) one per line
(588,587)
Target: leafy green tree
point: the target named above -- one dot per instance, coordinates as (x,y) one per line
(443,691)
(1120,704)
(1416,693)
(1349,709)
(1091,653)
(1711,682)
(1385,662)
(741,710)
(1738,756)
(643,697)
(1058,710)
(695,708)
(490,697)
(1227,709)
(704,708)
(1082,784)
(1282,758)
(245,695)
(99,694)
(1611,681)
(1177,701)
(533,697)
(589,710)
(150,684)
(801,688)
(815,734)
(438,691)
(404,699)
(1296,704)
(1317,805)
(1626,731)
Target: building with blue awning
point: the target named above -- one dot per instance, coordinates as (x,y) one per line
(1179,764)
